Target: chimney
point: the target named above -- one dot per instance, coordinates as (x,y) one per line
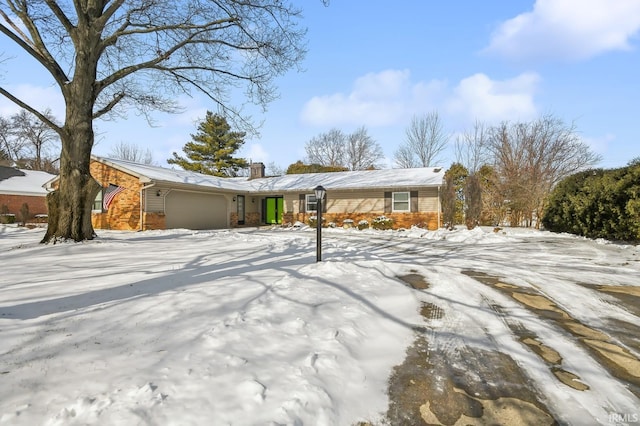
(257,171)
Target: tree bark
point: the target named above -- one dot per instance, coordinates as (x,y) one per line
(71,203)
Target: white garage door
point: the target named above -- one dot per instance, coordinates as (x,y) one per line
(194,210)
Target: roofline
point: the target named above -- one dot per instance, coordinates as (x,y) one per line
(249,190)
(122,168)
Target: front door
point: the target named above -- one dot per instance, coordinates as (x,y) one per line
(273,209)
(240,209)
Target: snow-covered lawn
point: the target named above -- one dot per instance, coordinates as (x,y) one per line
(243,327)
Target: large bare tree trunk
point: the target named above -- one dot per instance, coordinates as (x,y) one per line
(70,205)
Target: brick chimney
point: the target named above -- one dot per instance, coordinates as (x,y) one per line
(257,171)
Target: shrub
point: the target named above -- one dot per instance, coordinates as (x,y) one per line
(24,213)
(313,221)
(597,204)
(382,223)
(7,218)
(363,224)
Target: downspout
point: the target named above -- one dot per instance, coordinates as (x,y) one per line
(141,204)
(439,207)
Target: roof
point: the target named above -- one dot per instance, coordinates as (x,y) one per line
(23,182)
(362,179)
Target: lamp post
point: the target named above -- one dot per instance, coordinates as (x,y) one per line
(319,192)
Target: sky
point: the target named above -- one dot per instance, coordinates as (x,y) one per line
(244,327)
(378,65)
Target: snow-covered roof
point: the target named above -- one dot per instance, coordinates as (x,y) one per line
(149,173)
(23,182)
(363,179)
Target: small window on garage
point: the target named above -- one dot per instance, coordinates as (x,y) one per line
(401,202)
(311,204)
(97,202)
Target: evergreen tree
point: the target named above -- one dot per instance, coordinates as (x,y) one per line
(452,195)
(212,148)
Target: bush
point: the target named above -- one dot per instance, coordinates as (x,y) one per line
(313,221)
(363,224)
(24,213)
(6,218)
(382,223)
(597,204)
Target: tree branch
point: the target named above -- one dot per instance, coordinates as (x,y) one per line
(32,110)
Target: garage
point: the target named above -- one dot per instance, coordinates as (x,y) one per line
(195,210)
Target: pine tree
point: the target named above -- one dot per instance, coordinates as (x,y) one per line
(212,148)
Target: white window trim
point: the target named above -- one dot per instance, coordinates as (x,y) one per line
(408,201)
(306,203)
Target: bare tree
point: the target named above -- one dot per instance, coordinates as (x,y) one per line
(472,151)
(12,148)
(132,152)
(425,140)
(36,136)
(472,148)
(362,152)
(356,151)
(108,56)
(530,158)
(327,149)
(273,169)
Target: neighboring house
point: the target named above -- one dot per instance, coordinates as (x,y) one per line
(18,186)
(140,197)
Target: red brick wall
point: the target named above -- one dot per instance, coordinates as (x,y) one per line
(37,205)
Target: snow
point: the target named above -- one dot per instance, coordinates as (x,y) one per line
(243,327)
(361,179)
(30,184)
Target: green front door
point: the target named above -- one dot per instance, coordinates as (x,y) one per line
(274,206)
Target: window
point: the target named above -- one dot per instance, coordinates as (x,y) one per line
(401,202)
(97,203)
(311,204)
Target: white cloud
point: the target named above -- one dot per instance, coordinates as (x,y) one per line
(256,153)
(480,98)
(391,98)
(568,29)
(376,100)
(600,144)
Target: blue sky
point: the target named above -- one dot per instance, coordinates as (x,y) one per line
(376,64)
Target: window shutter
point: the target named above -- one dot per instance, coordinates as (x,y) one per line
(414,201)
(388,202)
(303,203)
(324,203)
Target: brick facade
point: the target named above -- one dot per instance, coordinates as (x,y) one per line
(37,205)
(124,211)
(400,220)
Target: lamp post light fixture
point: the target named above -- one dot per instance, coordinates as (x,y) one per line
(319,192)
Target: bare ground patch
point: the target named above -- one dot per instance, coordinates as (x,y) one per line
(618,360)
(463,387)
